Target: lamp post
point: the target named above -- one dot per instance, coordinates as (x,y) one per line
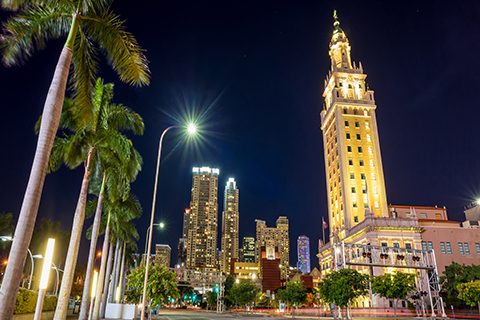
(8,238)
(161,225)
(44,279)
(191,130)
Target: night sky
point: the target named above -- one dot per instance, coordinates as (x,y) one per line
(255,72)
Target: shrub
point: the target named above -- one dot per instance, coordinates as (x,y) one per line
(27,301)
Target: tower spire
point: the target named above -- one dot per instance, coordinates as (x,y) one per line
(336,23)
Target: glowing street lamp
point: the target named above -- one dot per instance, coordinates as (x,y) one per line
(94,290)
(191,130)
(8,238)
(161,225)
(44,279)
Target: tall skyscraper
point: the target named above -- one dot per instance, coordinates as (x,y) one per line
(352,149)
(202,219)
(271,238)
(229,226)
(248,249)
(303,249)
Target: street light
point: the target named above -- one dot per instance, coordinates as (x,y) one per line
(44,279)
(8,238)
(191,129)
(161,225)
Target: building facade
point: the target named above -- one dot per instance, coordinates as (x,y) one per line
(356,195)
(303,250)
(248,250)
(182,242)
(272,238)
(230,220)
(203,219)
(163,253)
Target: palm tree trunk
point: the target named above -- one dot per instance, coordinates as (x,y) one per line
(91,254)
(73,246)
(28,213)
(103,307)
(120,275)
(124,282)
(115,263)
(117,271)
(101,275)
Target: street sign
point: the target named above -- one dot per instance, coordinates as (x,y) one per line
(268,293)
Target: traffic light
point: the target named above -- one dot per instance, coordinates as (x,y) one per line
(216,289)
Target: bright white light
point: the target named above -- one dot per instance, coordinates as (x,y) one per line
(6,238)
(237,281)
(161,225)
(94,284)
(191,128)
(478,201)
(117,294)
(46,263)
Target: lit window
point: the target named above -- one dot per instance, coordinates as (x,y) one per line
(408,214)
(368,138)
(373,176)
(348,136)
(423,215)
(376,205)
(442,246)
(358,137)
(438,216)
(349,149)
(449,248)
(477,245)
(346,124)
(467,249)
(360,150)
(352,175)
(430,245)
(372,165)
(357,124)
(375,190)
(365,112)
(370,150)
(460,248)
(367,124)
(361,163)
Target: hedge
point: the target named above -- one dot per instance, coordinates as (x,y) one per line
(27,301)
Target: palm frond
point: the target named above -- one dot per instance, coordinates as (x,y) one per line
(30,30)
(123,118)
(120,47)
(77,149)
(57,153)
(91,207)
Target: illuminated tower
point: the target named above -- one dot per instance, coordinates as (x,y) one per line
(202,220)
(229,226)
(274,237)
(353,162)
(303,249)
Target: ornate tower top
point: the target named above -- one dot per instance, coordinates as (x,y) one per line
(339,46)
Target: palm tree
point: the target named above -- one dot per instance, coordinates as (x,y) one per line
(103,149)
(84,23)
(121,212)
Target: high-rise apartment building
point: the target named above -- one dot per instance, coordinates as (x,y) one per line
(303,249)
(248,249)
(271,238)
(353,162)
(203,219)
(230,219)
(162,254)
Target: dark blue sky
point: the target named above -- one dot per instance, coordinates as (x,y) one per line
(259,67)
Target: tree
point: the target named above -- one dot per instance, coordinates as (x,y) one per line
(311,299)
(83,23)
(6,224)
(228,283)
(211,299)
(454,275)
(342,287)
(394,286)
(161,285)
(470,293)
(243,293)
(294,293)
